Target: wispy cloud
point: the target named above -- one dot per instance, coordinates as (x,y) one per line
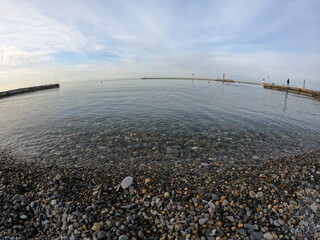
(245,39)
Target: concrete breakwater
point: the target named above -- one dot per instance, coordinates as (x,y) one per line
(27,90)
(302,91)
(204,79)
(176,78)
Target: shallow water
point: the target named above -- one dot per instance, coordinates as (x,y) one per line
(157,119)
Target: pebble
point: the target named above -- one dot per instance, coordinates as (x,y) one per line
(58,177)
(123,237)
(181,206)
(166,195)
(96,226)
(202,221)
(215,197)
(127,182)
(259,194)
(225,202)
(101,235)
(268,236)
(314,207)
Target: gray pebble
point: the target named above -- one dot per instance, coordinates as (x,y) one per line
(127,182)
(123,237)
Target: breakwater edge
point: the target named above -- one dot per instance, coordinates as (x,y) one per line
(27,90)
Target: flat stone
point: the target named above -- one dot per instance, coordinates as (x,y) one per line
(123,237)
(101,235)
(225,202)
(23,217)
(127,182)
(314,207)
(129,206)
(256,235)
(249,227)
(276,223)
(268,236)
(54,202)
(215,197)
(203,221)
(243,232)
(259,194)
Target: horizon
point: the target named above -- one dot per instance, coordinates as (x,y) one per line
(80,40)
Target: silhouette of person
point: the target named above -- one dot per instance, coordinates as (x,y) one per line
(288,81)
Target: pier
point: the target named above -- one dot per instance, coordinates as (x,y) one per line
(27,90)
(204,79)
(301,91)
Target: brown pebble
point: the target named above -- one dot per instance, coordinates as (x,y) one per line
(147,180)
(96,226)
(222,198)
(143,191)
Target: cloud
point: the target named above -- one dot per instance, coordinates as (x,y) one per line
(246,39)
(12,56)
(29,36)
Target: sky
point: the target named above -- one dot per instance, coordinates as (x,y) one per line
(42,42)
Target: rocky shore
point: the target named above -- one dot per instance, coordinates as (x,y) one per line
(274,198)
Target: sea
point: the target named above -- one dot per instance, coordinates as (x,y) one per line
(92,121)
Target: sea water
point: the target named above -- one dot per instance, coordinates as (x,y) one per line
(112,119)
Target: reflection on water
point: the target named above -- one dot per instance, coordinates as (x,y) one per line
(164,118)
(285,102)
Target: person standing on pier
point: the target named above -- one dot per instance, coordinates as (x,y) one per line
(288,81)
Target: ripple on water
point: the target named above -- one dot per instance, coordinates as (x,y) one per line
(159,120)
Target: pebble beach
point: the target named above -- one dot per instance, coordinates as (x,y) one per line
(273,198)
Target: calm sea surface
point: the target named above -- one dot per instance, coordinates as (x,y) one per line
(158,119)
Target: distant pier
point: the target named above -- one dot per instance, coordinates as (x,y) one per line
(204,79)
(302,91)
(27,90)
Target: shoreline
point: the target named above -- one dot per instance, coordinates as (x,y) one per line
(273,199)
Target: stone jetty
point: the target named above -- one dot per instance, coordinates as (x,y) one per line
(27,90)
(302,91)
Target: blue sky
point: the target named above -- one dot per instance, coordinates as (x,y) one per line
(76,40)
